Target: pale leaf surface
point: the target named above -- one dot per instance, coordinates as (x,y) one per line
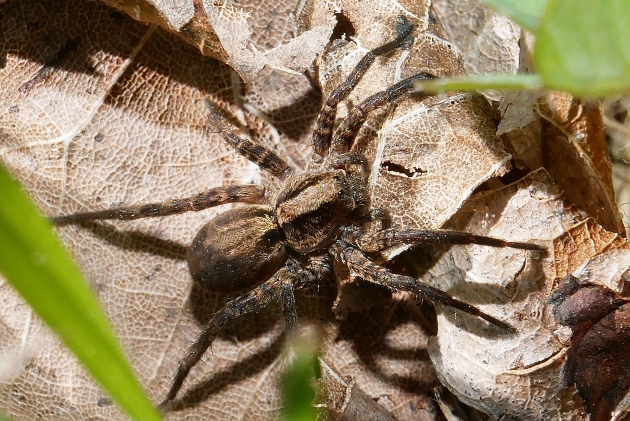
(248,35)
(100,110)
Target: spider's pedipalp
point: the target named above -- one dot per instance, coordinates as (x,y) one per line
(342,140)
(256,153)
(316,269)
(379,214)
(326,118)
(369,271)
(287,295)
(212,197)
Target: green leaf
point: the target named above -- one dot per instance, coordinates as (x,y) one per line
(583,47)
(526,13)
(39,268)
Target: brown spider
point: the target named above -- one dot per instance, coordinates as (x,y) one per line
(287,241)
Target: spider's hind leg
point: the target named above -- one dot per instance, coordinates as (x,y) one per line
(345,134)
(278,287)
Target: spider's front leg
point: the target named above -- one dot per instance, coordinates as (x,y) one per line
(212,197)
(343,139)
(326,117)
(256,153)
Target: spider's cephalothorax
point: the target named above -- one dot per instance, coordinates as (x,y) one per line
(288,240)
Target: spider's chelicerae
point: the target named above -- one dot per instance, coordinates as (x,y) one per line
(285,241)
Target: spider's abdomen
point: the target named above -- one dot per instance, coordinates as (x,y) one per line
(311,208)
(237,249)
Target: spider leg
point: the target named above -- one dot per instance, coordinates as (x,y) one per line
(258,154)
(350,126)
(376,274)
(381,240)
(279,286)
(248,193)
(326,117)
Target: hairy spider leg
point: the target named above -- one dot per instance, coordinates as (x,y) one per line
(343,138)
(371,272)
(212,197)
(281,285)
(326,117)
(381,240)
(253,194)
(254,152)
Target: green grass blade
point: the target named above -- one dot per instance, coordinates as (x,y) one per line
(39,268)
(480,83)
(583,47)
(299,389)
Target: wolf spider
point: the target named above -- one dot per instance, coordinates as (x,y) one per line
(287,241)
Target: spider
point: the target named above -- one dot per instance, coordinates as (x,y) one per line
(288,240)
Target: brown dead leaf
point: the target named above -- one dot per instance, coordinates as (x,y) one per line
(560,133)
(112,113)
(576,154)
(520,375)
(513,375)
(346,401)
(488,40)
(248,35)
(428,156)
(617,127)
(119,118)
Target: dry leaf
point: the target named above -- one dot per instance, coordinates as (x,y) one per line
(488,40)
(281,35)
(569,142)
(120,119)
(520,375)
(111,113)
(592,301)
(514,375)
(617,126)
(576,154)
(428,156)
(115,116)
